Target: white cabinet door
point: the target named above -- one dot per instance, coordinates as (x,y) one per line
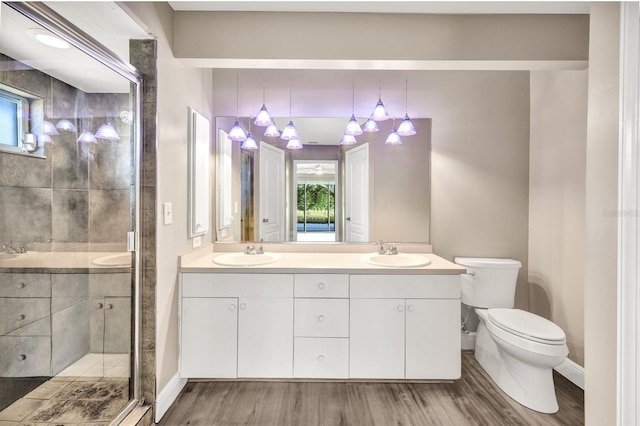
(265,337)
(433,339)
(209,337)
(377,339)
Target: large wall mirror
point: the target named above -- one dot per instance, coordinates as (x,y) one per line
(327,192)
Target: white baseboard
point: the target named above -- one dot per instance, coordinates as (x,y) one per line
(572,371)
(168,395)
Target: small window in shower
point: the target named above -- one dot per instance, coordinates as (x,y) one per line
(19,120)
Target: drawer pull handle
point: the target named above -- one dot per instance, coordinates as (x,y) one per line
(321,318)
(321,358)
(321,286)
(400,308)
(243,306)
(21,317)
(22,285)
(411,308)
(22,357)
(232,307)
(100,305)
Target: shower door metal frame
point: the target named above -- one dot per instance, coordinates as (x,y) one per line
(61,27)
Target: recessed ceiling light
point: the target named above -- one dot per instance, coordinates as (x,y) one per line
(47,38)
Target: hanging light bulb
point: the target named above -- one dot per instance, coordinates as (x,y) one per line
(107,131)
(43,139)
(380,112)
(294,144)
(67,125)
(237,133)
(272,131)
(370,126)
(394,137)
(348,140)
(250,142)
(353,127)
(290,132)
(49,128)
(263,118)
(406,128)
(87,137)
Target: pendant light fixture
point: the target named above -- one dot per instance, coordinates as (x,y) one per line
(250,142)
(263,118)
(370,126)
(294,144)
(272,130)
(348,140)
(406,127)
(290,132)
(353,127)
(108,132)
(236,133)
(67,125)
(394,137)
(87,137)
(379,112)
(49,129)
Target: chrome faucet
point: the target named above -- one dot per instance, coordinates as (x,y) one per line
(251,249)
(11,250)
(393,249)
(380,245)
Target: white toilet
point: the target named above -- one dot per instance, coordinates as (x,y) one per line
(516,348)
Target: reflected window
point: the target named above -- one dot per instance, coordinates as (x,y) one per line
(10,122)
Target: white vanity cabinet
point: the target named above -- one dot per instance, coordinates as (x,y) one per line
(405,327)
(236,325)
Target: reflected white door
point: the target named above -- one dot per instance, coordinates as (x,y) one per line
(272,203)
(356,200)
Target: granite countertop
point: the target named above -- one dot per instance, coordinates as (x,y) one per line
(314,262)
(67,262)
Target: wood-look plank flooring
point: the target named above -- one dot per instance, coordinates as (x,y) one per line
(472,400)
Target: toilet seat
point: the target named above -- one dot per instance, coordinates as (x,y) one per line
(551,348)
(527,325)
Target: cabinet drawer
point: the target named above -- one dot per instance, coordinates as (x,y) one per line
(321,358)
(322,285)
(405,286)
(18,313)
(321,318)
(25,356)
(237,285)
(25,285)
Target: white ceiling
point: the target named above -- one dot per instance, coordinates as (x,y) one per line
(449,7)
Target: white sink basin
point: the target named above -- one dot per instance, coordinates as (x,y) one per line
(116,259)
(400,260)
(241,259)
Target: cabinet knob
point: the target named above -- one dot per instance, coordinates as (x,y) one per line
(243,306)
(320,358)
(109,306)
(321,318)
(22,357)
(321,286)
(232,307)
(21,317)
(22,285)
(411,308)
(100,305)
(400,308)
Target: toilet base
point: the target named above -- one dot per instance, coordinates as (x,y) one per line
(529,385)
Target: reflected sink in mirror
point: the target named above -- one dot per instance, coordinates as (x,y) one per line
(117,259)
(241,259)
(400,260)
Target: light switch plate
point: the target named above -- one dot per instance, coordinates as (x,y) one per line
(167,213)
(197,242)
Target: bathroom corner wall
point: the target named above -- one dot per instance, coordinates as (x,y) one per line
(557,190)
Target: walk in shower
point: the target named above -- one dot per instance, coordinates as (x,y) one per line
(69,167)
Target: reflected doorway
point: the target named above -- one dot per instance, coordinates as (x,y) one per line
(315,183)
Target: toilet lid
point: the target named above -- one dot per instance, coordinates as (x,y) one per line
(527,325)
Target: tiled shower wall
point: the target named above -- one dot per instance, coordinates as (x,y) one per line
(80,193)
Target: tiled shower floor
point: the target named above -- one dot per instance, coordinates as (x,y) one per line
(92,391)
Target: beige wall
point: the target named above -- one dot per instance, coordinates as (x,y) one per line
(557,202)
(601,216)
(178,89)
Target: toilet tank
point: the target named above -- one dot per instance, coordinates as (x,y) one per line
(489,282)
